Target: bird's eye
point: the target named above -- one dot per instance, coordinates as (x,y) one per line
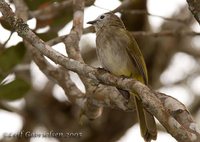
(102,16)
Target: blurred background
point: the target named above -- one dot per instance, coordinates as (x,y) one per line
(29,101)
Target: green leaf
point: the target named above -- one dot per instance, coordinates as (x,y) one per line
(10,57)
(14,90)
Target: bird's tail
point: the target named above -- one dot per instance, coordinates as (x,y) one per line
(147,122)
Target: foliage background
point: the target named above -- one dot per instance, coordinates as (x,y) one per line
(172,58)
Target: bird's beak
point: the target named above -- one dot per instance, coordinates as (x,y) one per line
(92,22)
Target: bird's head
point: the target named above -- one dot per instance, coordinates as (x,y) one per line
(106,20)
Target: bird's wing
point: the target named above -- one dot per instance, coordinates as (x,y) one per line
(136,56)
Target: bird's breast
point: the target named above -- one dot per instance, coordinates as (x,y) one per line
(113,56)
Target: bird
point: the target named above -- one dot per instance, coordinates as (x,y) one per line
(119,53)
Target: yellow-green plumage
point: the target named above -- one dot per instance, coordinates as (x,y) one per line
(119,53)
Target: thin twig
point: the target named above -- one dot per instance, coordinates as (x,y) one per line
(101,7)
(51,10)
(11,33)
(126,3)
(7,107)
(154,15)
(169,33)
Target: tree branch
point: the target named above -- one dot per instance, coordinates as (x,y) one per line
(58,75)
(194,6)
(72,47)
(170,112)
